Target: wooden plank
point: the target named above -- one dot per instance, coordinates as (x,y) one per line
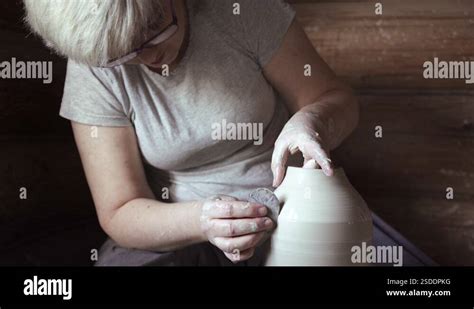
(427,146)
(369,51)
(388,51)
(442,229)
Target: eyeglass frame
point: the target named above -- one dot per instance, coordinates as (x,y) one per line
(162,36)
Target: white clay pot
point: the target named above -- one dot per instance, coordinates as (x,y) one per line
(322,218)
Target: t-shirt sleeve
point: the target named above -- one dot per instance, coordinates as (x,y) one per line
(90,97)
(264,24)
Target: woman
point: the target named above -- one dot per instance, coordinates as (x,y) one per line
(149,82)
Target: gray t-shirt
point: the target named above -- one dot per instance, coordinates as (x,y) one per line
(219,81)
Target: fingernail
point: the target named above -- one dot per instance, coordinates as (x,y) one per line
(262,211)
(328,171)
(268,222)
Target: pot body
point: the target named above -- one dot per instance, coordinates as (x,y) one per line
(321,219)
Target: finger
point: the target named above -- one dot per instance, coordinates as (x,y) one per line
(233,209)
(313,150)
(220,197)
(241,243)
(232,228)
(238,256)
(279,159)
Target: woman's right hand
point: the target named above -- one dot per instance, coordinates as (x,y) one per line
(235,227)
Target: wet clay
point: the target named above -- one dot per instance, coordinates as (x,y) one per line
(321,219)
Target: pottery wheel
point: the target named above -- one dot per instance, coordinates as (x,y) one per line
(266,197)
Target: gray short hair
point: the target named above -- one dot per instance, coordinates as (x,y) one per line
(93,31)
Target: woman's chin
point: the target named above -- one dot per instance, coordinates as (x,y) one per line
(155,66)
(159,65)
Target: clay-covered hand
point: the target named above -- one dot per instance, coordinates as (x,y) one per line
(305,132)
(233,226)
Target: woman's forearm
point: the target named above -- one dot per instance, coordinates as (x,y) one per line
(335,115)
(156,226)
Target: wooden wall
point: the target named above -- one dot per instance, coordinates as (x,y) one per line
(427,142)
(428,125)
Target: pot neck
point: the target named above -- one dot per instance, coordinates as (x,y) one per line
(296,176)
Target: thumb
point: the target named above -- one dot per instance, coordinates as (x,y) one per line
(279,159)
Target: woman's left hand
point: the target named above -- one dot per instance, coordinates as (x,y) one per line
(304,132)
(325,108)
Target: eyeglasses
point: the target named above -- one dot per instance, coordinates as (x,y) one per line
(157,39)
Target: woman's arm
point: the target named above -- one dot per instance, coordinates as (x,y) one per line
(319,101)
(126,207)
(129,214)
